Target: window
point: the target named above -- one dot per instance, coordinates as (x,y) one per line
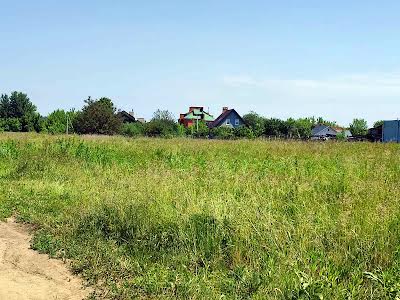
(237,122)
(228,122)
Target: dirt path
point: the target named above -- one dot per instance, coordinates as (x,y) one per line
(28,275)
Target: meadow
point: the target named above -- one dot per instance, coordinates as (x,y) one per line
(207,219)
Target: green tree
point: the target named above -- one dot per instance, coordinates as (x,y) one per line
(359,127)
(162,124)
(19,107)
(255,122)
(98,117)
(304,127)
(291,127)
(5,108)
(10,124)
(321,121)
(58,120)
(378,123)
(275,127)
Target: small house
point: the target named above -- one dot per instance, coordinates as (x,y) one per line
(195,115)
(228,118)
(126,117)
(391,131)
(325,132)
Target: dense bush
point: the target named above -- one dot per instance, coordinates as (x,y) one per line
(223,132)
(58,120)
(162,124)
(10,124)
(98,117)
(244,132)
(200,130)
(18,113)
(359,127)
(133,129)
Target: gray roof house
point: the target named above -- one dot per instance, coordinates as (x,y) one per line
(323,132)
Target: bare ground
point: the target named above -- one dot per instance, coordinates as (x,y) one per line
(28,275)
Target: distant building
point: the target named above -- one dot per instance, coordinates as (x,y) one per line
(141,120)
(126,117)
(391,131)
(194,115)
(228,118)
(325,132)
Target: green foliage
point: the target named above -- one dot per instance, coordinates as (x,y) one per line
(98,117)
(199,130)
(11,124)
(378,123)
(341,136)
(255,122)
(200,219)
(304,127)
(162,124)
(56,122)
(322,121)
(359,127)
(133,129)
(275,127)
(244,132)
(18,113)
(223,132)
(181,130)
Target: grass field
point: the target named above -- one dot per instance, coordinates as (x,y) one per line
(164,219)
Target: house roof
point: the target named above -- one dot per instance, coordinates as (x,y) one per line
(223,116)
(126,116)
(197,113)
(318,130)
(192,116)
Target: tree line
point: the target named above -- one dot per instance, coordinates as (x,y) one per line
(99,116)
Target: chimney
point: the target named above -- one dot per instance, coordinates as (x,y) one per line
(132,113)
(224,109)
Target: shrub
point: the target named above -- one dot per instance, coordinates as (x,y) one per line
(223,132)
(244,132)
(162,124)
(98,117)
(133,129)
(57,121)
(11,124)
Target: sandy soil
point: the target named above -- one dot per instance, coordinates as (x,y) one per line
(28,275)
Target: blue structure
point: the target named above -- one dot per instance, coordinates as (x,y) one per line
(229,118)
(391,131)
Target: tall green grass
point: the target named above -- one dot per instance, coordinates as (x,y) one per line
(154,218)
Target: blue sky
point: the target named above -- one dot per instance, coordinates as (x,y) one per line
(339,60)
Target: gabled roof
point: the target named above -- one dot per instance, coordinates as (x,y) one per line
(197,113)
(322,130)
(192,116)
(223,116)
(127,117)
